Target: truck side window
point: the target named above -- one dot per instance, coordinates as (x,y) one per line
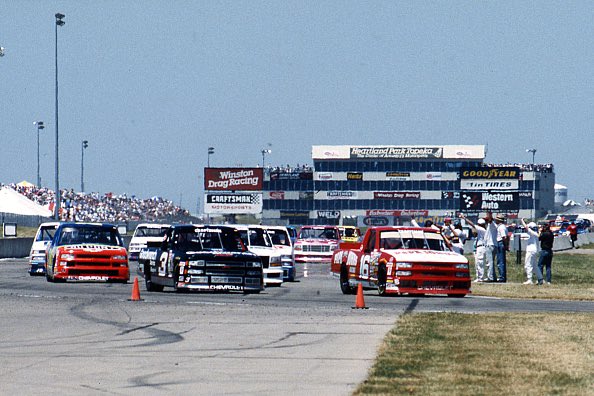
(371,242)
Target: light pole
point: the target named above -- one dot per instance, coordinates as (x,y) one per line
(40,126)
(83,146)
(59,22)
(533,151)
(264,152)
(210,151)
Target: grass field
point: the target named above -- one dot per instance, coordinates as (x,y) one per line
(485,354)
(495,354)
(573,279)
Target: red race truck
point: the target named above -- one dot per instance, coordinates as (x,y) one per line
(401,260)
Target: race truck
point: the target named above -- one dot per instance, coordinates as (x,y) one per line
(281,240)
(43,236)
(86,252)
(145,232)
(316,243)
(258,241)
(401,260)
(349,233)
(201,257)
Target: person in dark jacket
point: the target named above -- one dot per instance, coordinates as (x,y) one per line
(546,239)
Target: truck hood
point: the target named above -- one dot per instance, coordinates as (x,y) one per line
(426,256)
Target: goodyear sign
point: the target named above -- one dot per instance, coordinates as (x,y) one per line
(490,173)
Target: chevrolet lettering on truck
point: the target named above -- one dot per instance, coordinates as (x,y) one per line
(401,260)
(207,258)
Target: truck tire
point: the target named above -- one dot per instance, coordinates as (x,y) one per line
(150,286)
(382,277)
(345,287)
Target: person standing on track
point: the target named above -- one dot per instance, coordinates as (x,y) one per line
(479,253)
(531,252)
(546,238)
(501,247)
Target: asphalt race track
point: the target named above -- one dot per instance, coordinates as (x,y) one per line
(300,338)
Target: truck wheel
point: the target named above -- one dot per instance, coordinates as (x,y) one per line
(382,278)
(150,286)
(345,287)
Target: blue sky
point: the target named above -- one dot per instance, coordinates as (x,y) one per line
(152,84)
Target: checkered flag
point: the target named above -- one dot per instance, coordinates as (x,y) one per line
(470,201)
(255,199)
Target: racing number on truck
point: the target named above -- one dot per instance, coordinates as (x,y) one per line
(162,263)
(364,266)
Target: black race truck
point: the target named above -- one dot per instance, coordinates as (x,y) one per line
(201,257)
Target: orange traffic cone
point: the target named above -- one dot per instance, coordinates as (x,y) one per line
(360,301)
(135,291)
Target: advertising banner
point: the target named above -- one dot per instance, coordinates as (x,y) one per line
(398,176)
(329,214)
(490,173)
(478,201)
(397,213)
(342,194)
(291,175)
(233,179)
(299,214)
(276,194)
(391,152)
(354,176)
(233,203)
(396,195)
(486,184)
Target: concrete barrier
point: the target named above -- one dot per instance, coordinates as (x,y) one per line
(15,247)
(21,247)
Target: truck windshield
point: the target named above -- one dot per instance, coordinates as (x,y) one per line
(411,239)
(318,233)
(207,239)
(93,235)
(150,231)
(279,237)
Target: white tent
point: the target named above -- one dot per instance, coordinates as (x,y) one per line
(13,202)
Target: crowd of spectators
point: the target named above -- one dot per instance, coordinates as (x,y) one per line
(77,206)
(543,168)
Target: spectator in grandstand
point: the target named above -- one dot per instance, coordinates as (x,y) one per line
(546,238)
(479,247)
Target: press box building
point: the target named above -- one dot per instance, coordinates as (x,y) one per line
(388,185)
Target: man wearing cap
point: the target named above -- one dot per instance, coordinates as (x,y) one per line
(490,242)
(501,247)
(531,252)
(479,253)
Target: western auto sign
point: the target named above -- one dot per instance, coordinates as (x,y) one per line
(233,179)
(233,203)
(396,195)
(477,201)
(490,173)
(391,152)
